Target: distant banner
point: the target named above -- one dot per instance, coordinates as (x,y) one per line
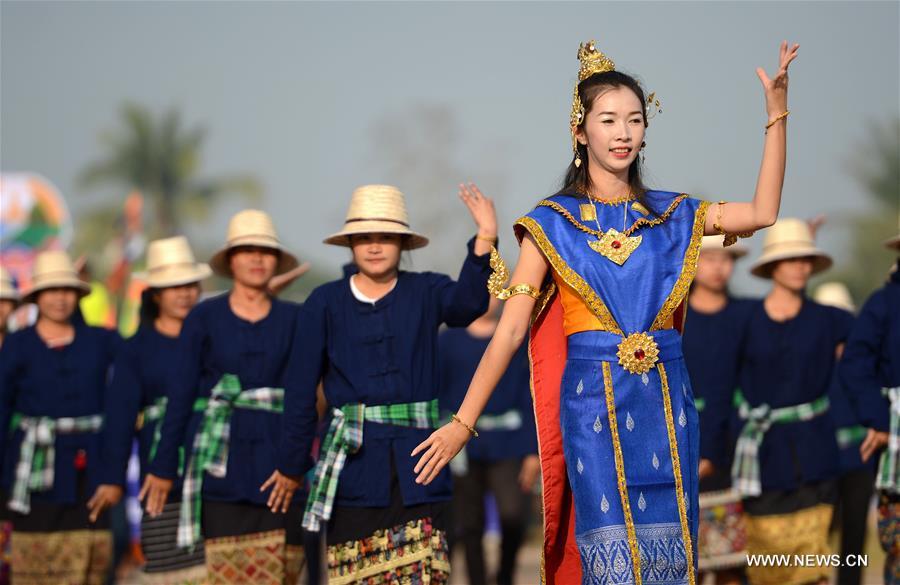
(33,218)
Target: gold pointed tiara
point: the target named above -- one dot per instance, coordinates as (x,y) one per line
(592,62)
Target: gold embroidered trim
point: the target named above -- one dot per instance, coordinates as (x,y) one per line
(534,406)
(676,469)
(569,276)
(543,301)
(688,269)
(620,473)
(611,202)
(638,223)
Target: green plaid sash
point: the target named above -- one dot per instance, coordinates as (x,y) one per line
(155,413)
(850,436)
(888,478)
(210,449)
(37,453)
(745,476)
(345,435)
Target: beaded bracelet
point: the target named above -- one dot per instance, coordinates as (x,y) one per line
(471,430)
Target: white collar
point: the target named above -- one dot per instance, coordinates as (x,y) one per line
(358,294)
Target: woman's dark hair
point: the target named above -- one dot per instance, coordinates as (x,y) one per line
(149,307)
(577,180)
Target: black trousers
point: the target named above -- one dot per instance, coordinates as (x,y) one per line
(502,479)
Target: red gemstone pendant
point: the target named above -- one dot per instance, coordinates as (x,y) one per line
(639,354)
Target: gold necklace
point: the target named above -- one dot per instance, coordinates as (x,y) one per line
(613,244)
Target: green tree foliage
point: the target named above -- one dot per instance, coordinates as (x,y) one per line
(877,166)
(161,158)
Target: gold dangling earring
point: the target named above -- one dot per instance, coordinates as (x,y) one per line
(577,160)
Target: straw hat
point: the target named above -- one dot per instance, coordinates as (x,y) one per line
(834,294)
(170,262)
(54,269)
(8,290)
(377,209)
(789,238)
(252,227)
(717,243)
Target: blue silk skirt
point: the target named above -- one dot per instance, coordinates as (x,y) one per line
(633,471)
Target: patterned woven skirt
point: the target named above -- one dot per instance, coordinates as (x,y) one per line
(889,535)
(248,544)
(56,543)
(722,541)
(394,545)
(631,447)
(794,522)
(166,563)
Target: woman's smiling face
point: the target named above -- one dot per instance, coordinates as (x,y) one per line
(613,129)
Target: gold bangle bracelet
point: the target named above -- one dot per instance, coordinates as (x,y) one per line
(780,117)
(471,430)
(492,240)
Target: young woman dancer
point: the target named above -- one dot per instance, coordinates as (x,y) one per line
(606,264)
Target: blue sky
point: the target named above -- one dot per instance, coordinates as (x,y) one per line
(318,98)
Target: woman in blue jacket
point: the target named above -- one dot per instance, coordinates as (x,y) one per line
(137,401)
(372,339)
(53,381)
(224,410)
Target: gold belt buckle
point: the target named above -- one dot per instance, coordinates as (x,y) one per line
(638,353)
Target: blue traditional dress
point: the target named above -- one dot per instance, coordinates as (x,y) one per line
(617,425)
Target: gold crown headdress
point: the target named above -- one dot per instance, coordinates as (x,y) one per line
(593,62)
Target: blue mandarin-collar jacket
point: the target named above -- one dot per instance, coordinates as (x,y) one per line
(70,381)
(378,353)
(712,347)
(871,360)
(215,341)
(141,375)
(789,363)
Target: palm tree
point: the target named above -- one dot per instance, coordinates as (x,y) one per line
(160,158)
(877,167)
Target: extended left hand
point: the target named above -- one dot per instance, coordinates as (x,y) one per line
(481,208)
(283,488)
(776,87)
